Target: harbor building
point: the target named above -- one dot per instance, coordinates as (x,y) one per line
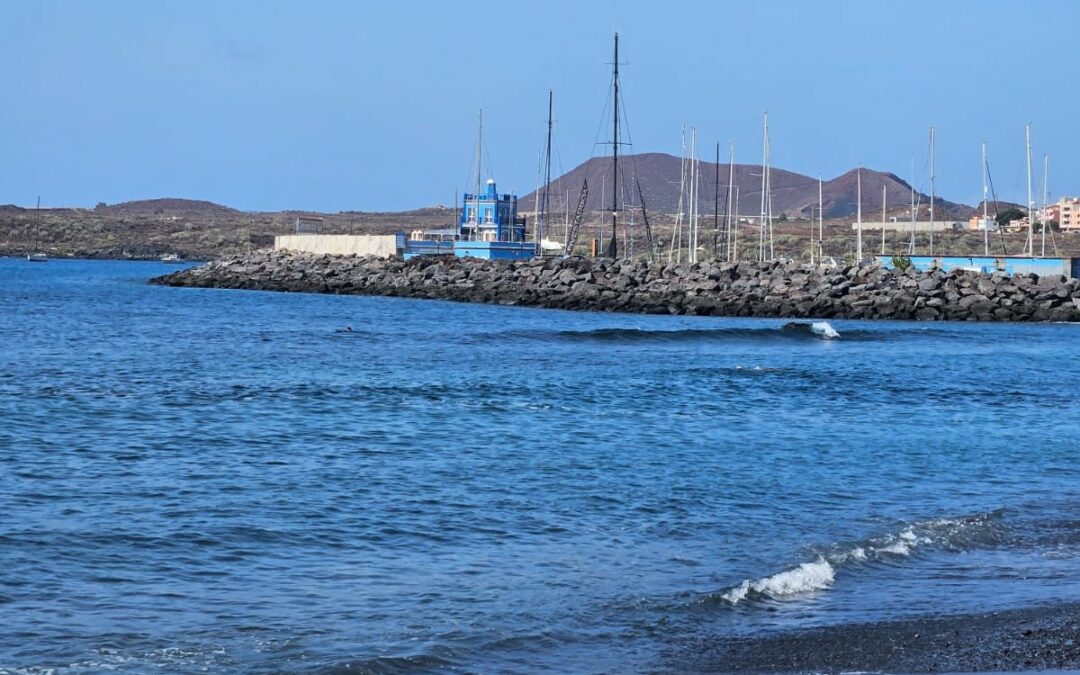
(977,222)
(1065,212)
(488,227)
(490,216)
(898,225)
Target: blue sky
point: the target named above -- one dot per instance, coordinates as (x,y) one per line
(360,105)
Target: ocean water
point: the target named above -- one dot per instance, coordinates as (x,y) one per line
(228,481)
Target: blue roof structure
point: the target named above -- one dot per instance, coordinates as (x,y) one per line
(490,216)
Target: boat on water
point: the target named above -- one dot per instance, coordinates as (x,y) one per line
(171,258)
(36,255)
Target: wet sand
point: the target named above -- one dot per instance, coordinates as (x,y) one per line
(1043,638)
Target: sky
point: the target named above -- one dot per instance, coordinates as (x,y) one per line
(372,106)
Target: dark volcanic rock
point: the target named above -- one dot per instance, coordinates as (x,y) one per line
(769,289)
(1041,638)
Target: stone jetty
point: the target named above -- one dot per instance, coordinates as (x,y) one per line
(771,289)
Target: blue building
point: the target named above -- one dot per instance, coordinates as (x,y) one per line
(490,216)
(489,227)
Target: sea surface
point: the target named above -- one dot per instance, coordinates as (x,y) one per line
(230,481)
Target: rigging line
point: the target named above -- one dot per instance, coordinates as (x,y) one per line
(601,127)
(490,169)
(993,193)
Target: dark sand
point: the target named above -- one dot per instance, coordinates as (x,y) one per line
(1043,638)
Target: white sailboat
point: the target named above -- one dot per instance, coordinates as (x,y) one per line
(36,255)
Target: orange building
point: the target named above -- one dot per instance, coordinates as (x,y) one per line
(1065,212)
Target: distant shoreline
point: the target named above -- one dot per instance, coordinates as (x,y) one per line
(18,256)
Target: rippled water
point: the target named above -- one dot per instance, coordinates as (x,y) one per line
(227,480)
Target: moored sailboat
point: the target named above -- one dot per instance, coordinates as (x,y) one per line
(36,255)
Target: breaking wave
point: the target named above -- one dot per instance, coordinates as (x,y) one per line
(795,331)
(806,578)
(953,534)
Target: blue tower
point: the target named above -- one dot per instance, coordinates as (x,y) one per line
(490,216)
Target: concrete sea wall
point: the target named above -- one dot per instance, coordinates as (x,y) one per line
(338,244)
(770,289)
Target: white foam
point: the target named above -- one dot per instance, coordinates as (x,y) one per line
(824,329)
(806,578)
(897,548)
(820,574)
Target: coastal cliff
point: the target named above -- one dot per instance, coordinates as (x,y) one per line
(770,289)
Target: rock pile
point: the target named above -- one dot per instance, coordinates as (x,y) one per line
(770,289)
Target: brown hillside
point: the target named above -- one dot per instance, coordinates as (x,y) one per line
(793,194)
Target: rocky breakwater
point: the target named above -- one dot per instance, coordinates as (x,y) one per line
(771,289)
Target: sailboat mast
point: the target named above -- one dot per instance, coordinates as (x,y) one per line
(37,224)
(768,190)
(1030,201)
(716,206)
(566,218)
(729,234)
(676,238)
(694,167)
(985,218)
(914,215)
(613,245)
(542,222)
(932,176)
(764,188)
(479,172)
(821,221)
(1046,198)
(536,195)
(884,196)
(858,218)
(735,230)
(692,197)
(697,198)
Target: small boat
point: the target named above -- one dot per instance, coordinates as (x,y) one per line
(31,255)
(172,258)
